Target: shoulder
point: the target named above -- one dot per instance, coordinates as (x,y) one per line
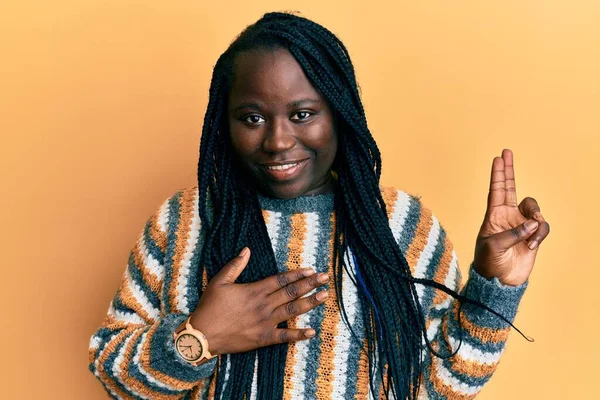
(401,203)
(412,222)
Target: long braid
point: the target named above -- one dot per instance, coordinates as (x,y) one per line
(231,213)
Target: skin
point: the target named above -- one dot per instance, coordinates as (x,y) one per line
(266,126)
(275,114)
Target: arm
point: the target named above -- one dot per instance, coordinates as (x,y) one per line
(132,353)
(484,335)
(484,338)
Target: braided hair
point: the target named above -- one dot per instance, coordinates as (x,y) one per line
(394,321)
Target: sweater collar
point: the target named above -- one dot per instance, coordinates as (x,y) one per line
(300,204)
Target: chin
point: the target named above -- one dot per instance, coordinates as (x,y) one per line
(285,191)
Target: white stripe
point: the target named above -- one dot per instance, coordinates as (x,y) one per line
(344,337)
(427,254)
(96,364)
(186,265)
(141,297)
(472,354)
(163,216)
(255,380)
(151,264)
(398,217)
(302,321)
(226,381)
(124,316)
(455,384)
(450,282)
(95,342)
(434,326)
(116,368)
(309,251)
(273,227)
(452,272)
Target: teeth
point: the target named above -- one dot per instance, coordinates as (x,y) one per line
(281,167)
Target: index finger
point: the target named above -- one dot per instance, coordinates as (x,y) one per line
(281,280)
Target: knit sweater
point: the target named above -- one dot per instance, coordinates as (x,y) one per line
(133,353)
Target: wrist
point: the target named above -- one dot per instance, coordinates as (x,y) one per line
(191,344)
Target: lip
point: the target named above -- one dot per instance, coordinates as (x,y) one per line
(287,174)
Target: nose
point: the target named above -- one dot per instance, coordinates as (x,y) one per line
(279,136)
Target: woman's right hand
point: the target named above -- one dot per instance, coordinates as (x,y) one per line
(238,317)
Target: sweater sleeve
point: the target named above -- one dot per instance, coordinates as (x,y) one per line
(133,353)
(483,334)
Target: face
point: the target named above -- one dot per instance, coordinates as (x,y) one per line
(281,128)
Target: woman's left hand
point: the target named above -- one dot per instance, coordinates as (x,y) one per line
(509,238)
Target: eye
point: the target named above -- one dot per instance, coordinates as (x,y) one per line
(302,115)
(253,119)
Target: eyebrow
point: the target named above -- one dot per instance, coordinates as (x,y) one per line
(293,104)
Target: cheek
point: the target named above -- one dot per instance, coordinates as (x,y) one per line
(242,144)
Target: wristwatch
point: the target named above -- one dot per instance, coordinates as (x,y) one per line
(191,344)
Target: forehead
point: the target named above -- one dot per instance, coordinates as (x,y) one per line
(269,75)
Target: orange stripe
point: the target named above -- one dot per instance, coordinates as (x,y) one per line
(420,239)
(470,368)
(362,383)
(329,331)
(158,375)
(186,212)
(109,349)
(134,383)
(441,387)
(442,271)
(295,246)
(266,215)
(390,195)
(486,335)
(159,237)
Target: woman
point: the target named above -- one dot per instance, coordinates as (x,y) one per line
(226,294)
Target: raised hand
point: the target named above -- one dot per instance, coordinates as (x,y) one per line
(509,238)
(237,317)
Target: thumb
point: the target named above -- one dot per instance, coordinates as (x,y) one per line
(232,270)
(518,234)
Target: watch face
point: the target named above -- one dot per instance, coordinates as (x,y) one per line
(189,347)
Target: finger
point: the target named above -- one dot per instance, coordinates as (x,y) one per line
(497,193)
(281,280)
(529,207)
(297,289)
(232,270)
(300,306)
(509,175)
(511,237)
(278,336)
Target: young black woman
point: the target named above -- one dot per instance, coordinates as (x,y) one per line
(288,272)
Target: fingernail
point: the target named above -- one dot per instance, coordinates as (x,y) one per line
(533,244)
(323,278)
(310,333)
(322,295)
(244,252)
(537,215)
(308,272)
(531,225)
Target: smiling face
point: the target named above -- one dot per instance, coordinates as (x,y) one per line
(281,128)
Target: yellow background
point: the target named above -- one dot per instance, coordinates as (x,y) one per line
(101,107)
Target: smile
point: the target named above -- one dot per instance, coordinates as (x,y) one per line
(284,172)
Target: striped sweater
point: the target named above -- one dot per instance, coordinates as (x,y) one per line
(133,354)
